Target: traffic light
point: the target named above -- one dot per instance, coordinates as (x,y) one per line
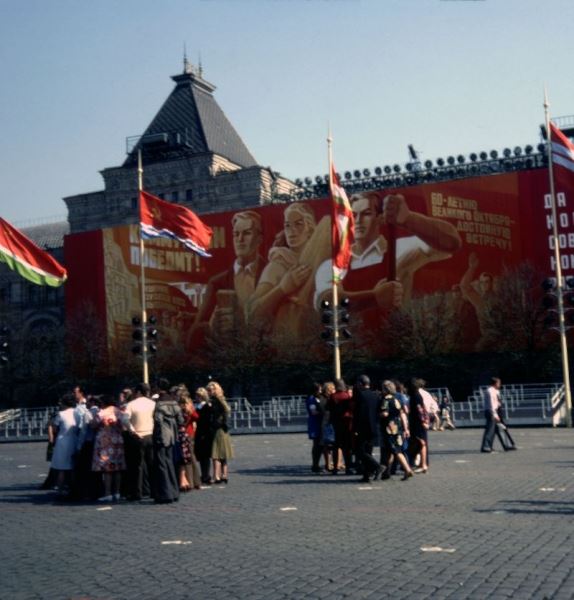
(326,320)
(550,303)
(150,337)
(4,345)
(137,335)
(328,314)
(344,317)
(151,331)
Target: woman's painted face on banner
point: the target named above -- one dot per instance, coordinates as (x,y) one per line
(296,230)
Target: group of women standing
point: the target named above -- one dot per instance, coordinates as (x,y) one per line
(403,426)
(188,439)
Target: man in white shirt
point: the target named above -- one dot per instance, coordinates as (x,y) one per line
(138,417)
(492,414)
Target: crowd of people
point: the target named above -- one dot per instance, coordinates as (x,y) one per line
(141,443)
(156,443)
(346,424)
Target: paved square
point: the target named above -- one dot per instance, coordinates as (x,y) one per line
(476,526)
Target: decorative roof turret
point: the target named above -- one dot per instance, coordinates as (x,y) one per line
(191,122)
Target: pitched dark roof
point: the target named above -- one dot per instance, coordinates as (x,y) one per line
(195,124)
(49,235)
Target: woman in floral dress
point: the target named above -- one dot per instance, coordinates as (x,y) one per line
(394,429)
(109,457)
(189,473)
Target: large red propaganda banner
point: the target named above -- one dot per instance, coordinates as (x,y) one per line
(443,248)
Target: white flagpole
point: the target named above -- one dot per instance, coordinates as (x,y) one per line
(559,282)
(335,291)
(142,277)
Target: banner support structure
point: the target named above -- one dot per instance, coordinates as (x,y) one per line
(142,280)
(335,290)
(559,282)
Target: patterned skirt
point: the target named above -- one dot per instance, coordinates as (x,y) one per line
(109,450)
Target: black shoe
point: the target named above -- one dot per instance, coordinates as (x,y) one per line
(385,475)
(487,450)
(365,479)
(511,448)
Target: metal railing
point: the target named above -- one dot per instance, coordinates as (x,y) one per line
(534,404)
(281,413)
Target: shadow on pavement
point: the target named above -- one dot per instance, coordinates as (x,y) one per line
(533,507)
(455,452)
(298,474)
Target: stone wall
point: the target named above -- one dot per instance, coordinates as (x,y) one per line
(205,183)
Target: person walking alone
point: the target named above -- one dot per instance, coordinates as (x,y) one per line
(494,424)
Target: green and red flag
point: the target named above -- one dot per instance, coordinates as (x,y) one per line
(26,258)
(342,225)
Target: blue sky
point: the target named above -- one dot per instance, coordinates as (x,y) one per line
(449,76)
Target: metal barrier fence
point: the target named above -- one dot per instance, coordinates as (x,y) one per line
(280,414)
(524,404)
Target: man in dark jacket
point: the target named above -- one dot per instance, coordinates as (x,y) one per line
(368,404)
(167,418)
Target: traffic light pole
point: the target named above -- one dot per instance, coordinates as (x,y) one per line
(336,343)
(142,282)
(559,282)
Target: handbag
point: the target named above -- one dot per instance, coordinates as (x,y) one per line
(49,452)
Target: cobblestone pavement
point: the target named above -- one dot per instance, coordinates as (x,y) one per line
(476,526)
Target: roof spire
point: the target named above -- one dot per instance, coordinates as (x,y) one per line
(187,66)
(200,67)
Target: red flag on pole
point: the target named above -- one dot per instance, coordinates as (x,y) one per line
(23,256)
(164,219)
(342,225)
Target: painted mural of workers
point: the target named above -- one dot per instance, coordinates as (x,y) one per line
(284,293)
(227,293)
(371,283)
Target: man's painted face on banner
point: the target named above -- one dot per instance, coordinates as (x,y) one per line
(485,282)
(246,239)
(366,222)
